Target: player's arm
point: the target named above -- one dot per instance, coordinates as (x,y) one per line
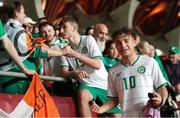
(77,74)
(160,97)
(54,52)
(110,104)
(94,63)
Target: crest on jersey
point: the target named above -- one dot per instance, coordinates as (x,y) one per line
(118,74)
(141,69)
(84,50)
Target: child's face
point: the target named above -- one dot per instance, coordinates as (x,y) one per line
(125,44)
(112,51)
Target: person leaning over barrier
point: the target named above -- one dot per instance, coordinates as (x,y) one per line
(29,51)
(10,49)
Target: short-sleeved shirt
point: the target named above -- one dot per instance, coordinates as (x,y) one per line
(2,31)
(89,48)
(49,62)
(173,71)
(131,84)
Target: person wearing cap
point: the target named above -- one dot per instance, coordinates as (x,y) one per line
(28,24)
(42,20)
(172,66)
(29,27)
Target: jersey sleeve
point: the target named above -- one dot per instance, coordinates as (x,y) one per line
(3,33)
(62,61)
(158,78)
(111,86)
(93,47)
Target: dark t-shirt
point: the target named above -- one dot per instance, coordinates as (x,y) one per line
(173,71)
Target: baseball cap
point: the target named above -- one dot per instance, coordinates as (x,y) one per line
(29,20)
(175,50)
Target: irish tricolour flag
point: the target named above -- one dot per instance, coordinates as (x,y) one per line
(35,103)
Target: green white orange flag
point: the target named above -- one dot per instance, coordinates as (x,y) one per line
(35,103)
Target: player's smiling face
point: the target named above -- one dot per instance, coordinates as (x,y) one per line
(125,44)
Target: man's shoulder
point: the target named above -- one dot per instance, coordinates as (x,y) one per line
(146,58)
(87,37)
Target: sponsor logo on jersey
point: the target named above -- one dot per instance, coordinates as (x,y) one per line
(141,69)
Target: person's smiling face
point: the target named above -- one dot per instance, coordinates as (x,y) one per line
(125,44)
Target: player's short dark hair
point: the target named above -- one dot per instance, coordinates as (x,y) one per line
(124,31)
(71,19)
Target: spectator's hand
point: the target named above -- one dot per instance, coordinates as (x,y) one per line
(66,50)
(157,100)
(80,74)
(44,48)
(95,108)
(28,72)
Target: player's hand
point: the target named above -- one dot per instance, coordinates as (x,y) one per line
(68,51)
(80,74)
(157,100)
(44,48)
(95,108)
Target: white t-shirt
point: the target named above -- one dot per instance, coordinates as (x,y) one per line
(131,84)
(87,47)
(49,64)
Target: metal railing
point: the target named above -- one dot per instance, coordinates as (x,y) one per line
(22,75)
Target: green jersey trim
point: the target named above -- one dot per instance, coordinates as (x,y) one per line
(133,62)
(79,42)
(97,57)
(3,36)
(64,66)
(162,86)
(136,60)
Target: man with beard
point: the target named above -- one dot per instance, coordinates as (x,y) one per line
(101,35)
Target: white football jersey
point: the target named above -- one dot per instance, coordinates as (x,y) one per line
(89,48)
(131,84)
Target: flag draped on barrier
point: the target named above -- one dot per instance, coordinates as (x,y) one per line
(35,103)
